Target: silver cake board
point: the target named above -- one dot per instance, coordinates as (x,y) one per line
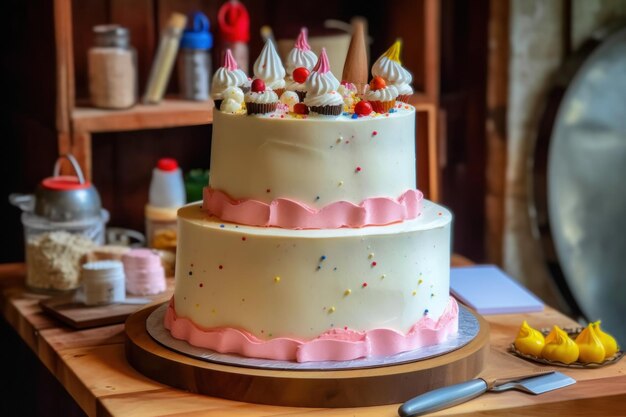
(469,328)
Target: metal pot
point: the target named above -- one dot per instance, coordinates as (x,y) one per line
(62,198)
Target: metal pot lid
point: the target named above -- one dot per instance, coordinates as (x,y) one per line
(67,198)
(64,183)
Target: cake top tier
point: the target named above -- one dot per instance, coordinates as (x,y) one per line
(304,85)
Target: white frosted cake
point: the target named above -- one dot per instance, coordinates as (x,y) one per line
(312,242)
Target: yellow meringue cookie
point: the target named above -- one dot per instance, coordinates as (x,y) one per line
(529,341)
(589,346)
(559,347)
(608,341)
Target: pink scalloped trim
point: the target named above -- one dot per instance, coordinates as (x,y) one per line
(333,345)
(289,214)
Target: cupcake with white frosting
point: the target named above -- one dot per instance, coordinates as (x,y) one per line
(269,68)
(300,61)
(232,101)
(260,99)
(389,67)
(321,86)
(226,76)
(381,96)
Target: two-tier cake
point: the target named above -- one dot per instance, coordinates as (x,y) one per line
(312,242)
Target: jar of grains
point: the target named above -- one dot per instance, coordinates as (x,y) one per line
(112,68)
(63,221)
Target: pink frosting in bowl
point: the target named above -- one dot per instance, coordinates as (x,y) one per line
(290,214)
(333,345)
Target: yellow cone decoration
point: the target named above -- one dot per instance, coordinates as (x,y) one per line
(609,343)
(589,346)
(393,53)
(559,347)
(529,341)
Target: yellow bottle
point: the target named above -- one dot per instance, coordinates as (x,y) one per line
(559,347)
(609,343)
(529,341)
(590,346)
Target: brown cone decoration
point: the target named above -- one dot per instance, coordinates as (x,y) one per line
(355,68)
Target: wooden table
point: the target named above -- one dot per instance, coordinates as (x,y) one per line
(91,366)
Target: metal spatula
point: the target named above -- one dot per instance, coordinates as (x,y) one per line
(456,394)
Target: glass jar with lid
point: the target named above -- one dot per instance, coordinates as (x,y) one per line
(63,220)
(112,63)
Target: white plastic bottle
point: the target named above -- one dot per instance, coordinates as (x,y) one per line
(166,196)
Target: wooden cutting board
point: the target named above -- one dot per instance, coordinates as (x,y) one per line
(80,316)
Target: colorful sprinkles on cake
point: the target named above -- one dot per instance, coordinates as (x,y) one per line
(322,259)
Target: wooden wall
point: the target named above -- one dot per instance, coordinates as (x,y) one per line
(463,85)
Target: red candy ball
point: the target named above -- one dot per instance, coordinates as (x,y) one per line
(300,74)
(363,108)
(257,86)
(378,83)
(300,108)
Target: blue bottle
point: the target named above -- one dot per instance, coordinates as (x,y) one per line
(194,64)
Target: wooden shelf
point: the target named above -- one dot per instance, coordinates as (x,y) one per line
(169,113)
(421,100)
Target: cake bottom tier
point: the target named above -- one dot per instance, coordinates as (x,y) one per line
(312,295)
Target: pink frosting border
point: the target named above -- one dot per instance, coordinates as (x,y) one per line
(289,214)
(333,345)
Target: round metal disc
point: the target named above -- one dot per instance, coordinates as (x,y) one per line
(586,181)
(468,330)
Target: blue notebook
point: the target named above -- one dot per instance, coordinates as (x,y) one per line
(489,290)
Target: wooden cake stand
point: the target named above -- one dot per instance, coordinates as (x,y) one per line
(355,387)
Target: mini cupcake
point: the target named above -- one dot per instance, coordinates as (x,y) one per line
(298,82)
(228,75)
(290,99)
(389,67)
(381,96)
(321,86)
(232,101)
(260,99)
(348,92)
(300,61)
(269,68)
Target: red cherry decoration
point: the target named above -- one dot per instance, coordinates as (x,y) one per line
(300,108)
(257,86)
(300,74)
(363,108)
(378,83)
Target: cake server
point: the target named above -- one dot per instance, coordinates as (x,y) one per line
(459,393)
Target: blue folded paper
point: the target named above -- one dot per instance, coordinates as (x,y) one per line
(489,290)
